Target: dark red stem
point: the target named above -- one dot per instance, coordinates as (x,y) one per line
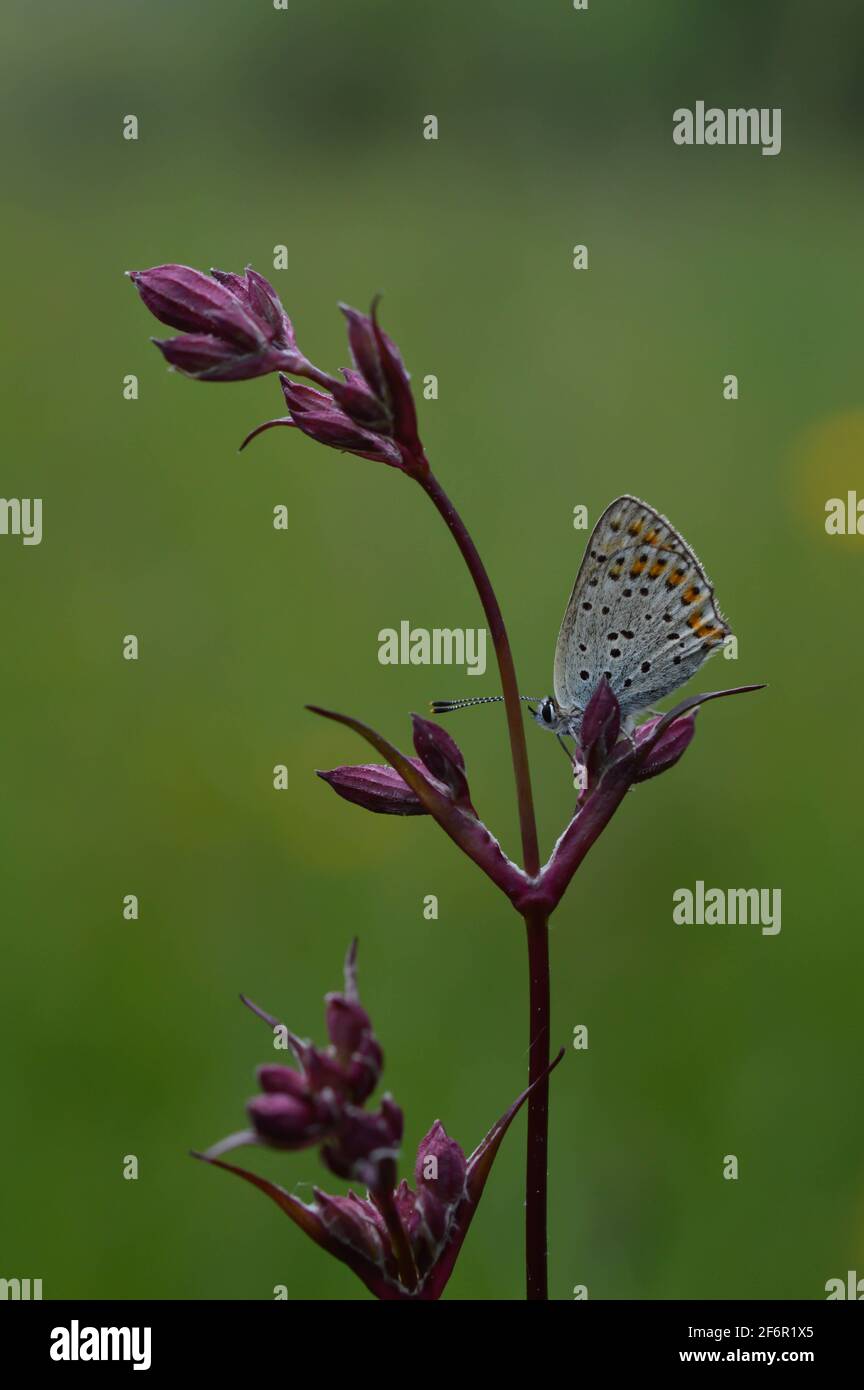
(537,1160)
(536,923)
(509,685)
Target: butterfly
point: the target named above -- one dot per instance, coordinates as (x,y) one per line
(642,614)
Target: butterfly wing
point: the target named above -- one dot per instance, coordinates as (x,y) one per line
(642,612)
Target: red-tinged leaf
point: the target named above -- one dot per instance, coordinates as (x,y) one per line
(308,1220)
(479,1168)
(692,703)
(284,420)
(297,1045)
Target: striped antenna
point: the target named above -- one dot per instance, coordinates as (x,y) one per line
(447,706)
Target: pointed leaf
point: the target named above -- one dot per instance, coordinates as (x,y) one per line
(479,1167)
(692,703)
(308,1220)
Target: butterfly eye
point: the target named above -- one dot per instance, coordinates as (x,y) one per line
(547,713)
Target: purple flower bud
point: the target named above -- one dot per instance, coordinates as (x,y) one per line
(357,400)
(347,1024)
(391,1115)
(371,413)
(399,390)
(324,1072)
(441,1166)
(188,299)
(212,359)
(669,747)
(358,1052)
(235,326)
(363,1071)
(406,1205)
(442,757)
(601,724)
(354,1223)
(365,351)
(317,414)
(376,787)
(285,1121)
(262,302)
(380,364)
(365,1146)
(402,1244)
(276,1079)
(425,1221)
(434,1225)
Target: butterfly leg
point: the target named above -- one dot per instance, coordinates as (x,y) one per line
(568,754)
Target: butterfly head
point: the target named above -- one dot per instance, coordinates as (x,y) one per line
(549,716)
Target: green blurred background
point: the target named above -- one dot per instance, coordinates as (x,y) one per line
(557,387)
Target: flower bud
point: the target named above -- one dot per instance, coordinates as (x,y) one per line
(317,414)
(354,1223)
(425,1221)
(601,724)
(324,1072)
(442,757)
(402,1244)
(434,1219)
(669,747)
(441,1166)
(262,302)
(357,400)
(363,1071)
(276,1079)
(376,787)
(365,352)
(382,370)
(188,299)
(366,1145)
(235,327)
(285,1121)
(347,1024)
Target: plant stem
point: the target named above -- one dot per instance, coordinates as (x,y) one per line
(536,922)
(537,1161)
(509,686)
